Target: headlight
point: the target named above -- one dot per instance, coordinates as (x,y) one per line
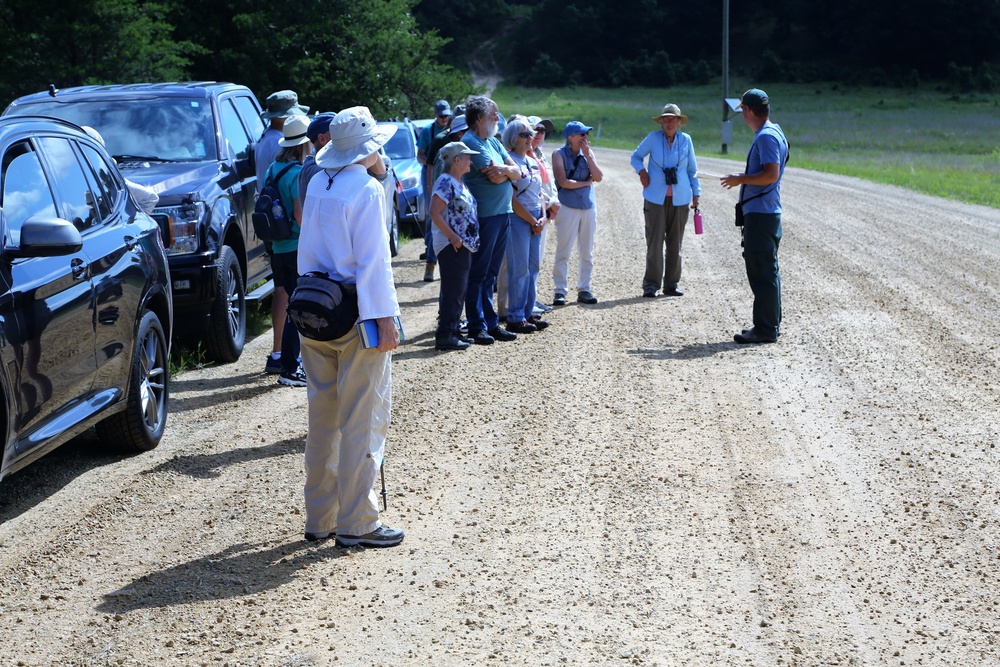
(410,182)
(180,226)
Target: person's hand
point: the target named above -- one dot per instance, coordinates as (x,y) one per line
(554,209)
(539,225)
(644,178)
(730,181)
(456,242)
(388,335)
(694,201)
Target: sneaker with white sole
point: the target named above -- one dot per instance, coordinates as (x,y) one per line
(296,379)
(383,536)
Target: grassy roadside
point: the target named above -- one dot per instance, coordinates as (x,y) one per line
(928,141)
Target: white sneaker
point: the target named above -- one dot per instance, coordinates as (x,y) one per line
(383,536)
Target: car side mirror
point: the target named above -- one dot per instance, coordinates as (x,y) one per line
(46,237)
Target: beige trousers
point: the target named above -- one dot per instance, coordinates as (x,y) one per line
(350,400)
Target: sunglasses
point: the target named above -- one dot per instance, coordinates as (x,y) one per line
(526,135)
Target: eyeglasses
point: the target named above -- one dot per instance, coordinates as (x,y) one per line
(525,135)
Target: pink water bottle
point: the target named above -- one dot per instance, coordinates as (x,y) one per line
(697,221)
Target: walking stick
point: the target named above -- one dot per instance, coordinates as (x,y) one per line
(384,494)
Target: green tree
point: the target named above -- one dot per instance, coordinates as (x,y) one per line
(334,54)
(87,41)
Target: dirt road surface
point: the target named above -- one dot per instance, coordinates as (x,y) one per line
(627,487)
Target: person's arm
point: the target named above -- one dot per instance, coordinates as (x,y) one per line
(437,217)
(521,211)
(596,175)
(770,173)
(692,170)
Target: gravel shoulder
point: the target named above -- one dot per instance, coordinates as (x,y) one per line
(629,486)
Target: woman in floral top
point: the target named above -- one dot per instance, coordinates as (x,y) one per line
(455,237)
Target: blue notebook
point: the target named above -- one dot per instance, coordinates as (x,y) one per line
(368,331)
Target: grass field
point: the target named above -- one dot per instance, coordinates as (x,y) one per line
(927,141)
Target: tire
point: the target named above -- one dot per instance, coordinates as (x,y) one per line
(227,328)
(394,230)
(140,426)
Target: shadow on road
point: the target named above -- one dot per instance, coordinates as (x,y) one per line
(207,466)
(240,570)
(693,351)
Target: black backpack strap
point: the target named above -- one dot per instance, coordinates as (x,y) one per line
(277,179)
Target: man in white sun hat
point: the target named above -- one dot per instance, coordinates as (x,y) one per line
(349,387)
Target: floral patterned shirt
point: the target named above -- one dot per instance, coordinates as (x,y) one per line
(459,213)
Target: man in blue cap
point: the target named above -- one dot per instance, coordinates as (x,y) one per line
(760,200)
(319,134)
(442,117)
(576,171)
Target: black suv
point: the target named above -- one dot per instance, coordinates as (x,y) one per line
(85,307)
(193,144)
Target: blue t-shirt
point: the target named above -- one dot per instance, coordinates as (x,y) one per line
(769,146)
(491,198)
(459,213)
(288,188)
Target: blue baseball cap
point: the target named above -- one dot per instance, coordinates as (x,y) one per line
(442,108)
(319,124)
(575,127)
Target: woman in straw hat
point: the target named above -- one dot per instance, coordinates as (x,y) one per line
(669,188)
(349,387)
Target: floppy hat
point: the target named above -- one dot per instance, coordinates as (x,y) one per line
(575,127)
(754,97)
(294,132)
(354,135)
(458,124)
(283,104)
(453,149)
(671,110)
(318,125)
(442,108)
(535,121)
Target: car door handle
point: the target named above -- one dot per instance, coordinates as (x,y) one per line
(79,268)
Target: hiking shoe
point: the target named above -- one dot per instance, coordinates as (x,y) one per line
(583,296)
(294,379)
(481,338)
(273,364)
(522,327)
(502,334)
(753,337)
(316,537)
(383,536)
(451,343)
(559,300)
(429,272)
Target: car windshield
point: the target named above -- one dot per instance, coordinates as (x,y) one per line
(165,129)
(400,146)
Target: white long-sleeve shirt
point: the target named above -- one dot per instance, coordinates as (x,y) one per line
(344,235)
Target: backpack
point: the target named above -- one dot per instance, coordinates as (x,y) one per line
(270,219)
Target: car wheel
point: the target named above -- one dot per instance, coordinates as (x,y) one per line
(140,426)
(227,329)
(394,230)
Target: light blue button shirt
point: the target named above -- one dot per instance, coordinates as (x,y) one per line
(661,154)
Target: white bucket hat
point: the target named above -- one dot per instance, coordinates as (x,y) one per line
(354,135)
(294,132)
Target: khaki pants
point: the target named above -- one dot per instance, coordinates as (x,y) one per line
(350,400)
(664,235)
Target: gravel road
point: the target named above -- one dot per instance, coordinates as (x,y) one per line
(627,487)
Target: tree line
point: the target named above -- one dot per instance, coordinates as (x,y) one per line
(665,42)
(398,56)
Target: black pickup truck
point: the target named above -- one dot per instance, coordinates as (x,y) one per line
(193,144)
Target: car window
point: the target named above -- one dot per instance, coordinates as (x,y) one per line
(105,175)
(75,198)
(26,192)
(250,114)
(400,146)
(166,128)
(232,129)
